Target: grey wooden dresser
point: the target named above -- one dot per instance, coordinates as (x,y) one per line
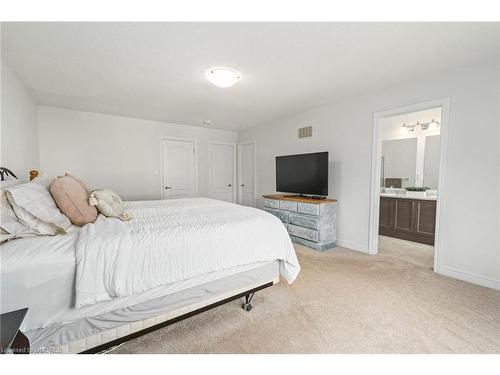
(310,222)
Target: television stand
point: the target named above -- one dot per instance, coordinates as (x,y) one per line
(304,196)
(309,221)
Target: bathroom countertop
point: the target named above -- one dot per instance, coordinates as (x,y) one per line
(430,198)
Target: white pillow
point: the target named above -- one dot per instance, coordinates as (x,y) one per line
(8,219)
(44,179)
(10,226)
(9,181)
(109,204)
(5,236)
(35,207)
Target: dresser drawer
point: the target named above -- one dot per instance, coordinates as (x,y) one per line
(304,221)
(308,234)
(283,216)
(273,203)
(289,206)
(308,208)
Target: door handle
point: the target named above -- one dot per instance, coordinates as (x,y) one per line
(230,185)
(168,187)
(242,185)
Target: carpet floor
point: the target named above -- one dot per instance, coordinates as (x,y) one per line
(346,302)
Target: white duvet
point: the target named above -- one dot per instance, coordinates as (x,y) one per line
(170,241)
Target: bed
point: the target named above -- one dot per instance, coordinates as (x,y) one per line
(107,282)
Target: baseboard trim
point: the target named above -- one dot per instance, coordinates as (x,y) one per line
(353,246)
(470,277)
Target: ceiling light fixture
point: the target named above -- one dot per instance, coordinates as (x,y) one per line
(207,122)
(222,77)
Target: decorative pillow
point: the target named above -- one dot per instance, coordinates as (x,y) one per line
(72,197)
(35,207)
(80,182)
(109,204)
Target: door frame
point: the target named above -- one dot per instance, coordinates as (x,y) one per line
(239,197)
(210,181)
(195,142)
(444,104)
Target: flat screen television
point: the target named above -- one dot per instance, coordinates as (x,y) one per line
(304,174)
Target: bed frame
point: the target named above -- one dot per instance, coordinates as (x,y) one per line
(5,172)
(247,306)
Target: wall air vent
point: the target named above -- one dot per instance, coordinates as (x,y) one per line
(306,132)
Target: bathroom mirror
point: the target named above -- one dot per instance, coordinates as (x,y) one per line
(399,161)
(431,161)
(403,165)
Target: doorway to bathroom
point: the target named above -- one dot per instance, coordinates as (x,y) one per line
(406,175)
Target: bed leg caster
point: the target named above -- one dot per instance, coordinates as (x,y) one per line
(247,306)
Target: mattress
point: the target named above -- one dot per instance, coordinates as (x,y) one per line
(39,273)
(174,240)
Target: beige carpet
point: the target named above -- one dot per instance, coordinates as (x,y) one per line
(347,302)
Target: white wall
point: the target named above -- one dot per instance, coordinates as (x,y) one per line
(115,152)
(472,187)
(19,128)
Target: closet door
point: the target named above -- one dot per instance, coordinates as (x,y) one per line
(178,168)
(222,171)
(246,174)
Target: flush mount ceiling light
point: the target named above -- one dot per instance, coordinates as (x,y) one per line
(222,77)
(207,122)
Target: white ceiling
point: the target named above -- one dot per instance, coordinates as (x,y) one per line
(156,70)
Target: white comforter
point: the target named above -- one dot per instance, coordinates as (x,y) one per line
(170,241)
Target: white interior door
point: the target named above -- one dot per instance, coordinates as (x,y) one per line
(246,174)
(179,168)
(222,168)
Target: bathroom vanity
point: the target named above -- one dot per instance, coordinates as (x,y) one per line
(412,219)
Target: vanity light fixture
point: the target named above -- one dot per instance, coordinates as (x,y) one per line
(434,124)
(222,77)
(424,125)
(410,128)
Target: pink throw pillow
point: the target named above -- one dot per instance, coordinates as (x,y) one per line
(72,197)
